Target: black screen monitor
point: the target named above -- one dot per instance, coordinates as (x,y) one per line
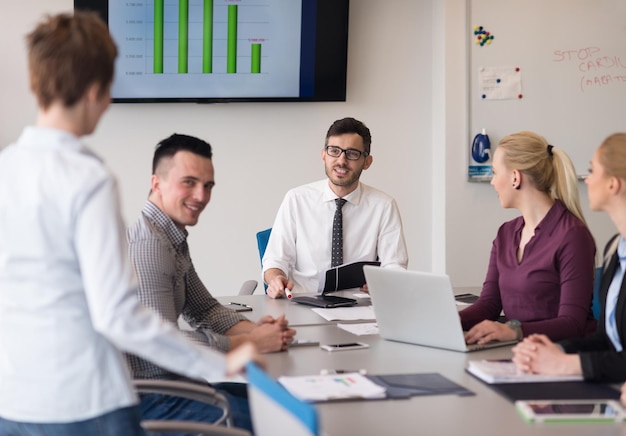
(209,51)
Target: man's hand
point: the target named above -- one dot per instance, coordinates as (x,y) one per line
(272,336)
(268,334)
(276,283)
(237,359)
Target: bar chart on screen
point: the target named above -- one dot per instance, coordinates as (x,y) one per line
(248,47)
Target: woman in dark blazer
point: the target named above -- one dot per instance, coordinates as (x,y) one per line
(601,356)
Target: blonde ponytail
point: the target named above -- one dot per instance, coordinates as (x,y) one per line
(565,186)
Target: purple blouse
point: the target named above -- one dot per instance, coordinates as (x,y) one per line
(551,289)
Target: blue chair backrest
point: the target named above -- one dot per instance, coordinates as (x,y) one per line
(274,410)
(262,238)
(595,304)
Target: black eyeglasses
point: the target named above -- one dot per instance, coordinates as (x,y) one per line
(351,153)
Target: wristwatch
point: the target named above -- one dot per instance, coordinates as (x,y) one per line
(517,328)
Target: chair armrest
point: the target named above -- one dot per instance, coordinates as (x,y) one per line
(199,428)
(192,391)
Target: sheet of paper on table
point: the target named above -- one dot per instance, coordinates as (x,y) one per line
(361,329)
(332,387)
(346,313)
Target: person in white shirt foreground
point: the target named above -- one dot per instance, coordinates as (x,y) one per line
(68,293)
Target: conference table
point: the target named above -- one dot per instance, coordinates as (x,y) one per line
(484,413)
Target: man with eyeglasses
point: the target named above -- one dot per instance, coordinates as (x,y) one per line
(302,244)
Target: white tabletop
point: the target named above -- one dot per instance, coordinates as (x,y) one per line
(486,413)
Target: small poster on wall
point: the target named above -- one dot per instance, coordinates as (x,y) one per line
(500,83)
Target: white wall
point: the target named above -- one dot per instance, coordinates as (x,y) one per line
(263,149)
(473,210)
(406,79)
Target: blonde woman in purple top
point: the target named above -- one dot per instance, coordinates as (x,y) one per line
(600,357)
(541,268)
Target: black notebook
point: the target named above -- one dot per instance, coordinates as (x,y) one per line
(410,385)
(342,277)
(327,301)
(346,276)
(571,390)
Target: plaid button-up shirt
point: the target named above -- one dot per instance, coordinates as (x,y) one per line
(169,284)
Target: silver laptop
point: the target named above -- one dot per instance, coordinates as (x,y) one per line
(418,308)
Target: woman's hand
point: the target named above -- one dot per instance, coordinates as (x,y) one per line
(539,355)
(487,331)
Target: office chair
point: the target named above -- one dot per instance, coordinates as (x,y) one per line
(262,239)
(248,287)
(192,391)
(595,303)
(275,411)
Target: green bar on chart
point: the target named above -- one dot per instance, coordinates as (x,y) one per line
(207,37)
(231,51)
(183,36)
(157,64)
(255,67)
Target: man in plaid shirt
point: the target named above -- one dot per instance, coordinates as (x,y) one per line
(182,180)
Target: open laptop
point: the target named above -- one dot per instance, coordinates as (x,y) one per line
(418,308)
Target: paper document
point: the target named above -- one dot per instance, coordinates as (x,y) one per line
(360,295)
(332,387)
(505,371)
(346,313)
(500,83)
(368,328)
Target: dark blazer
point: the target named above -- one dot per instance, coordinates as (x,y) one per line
(598,357)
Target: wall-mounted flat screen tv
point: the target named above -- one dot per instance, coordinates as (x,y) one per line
(210,51)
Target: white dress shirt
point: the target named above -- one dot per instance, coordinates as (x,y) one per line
(300,242)
(610,323)
(68,292)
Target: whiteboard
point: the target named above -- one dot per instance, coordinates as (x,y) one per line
(571,55)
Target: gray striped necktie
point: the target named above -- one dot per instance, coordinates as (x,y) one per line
(337,247)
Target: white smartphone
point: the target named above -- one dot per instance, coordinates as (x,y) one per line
(570,410)
(344,347)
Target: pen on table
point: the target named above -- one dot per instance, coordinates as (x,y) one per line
(342,371)
(288,293)
(240,304)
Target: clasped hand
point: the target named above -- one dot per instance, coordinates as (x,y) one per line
(537,354)
(271,334)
